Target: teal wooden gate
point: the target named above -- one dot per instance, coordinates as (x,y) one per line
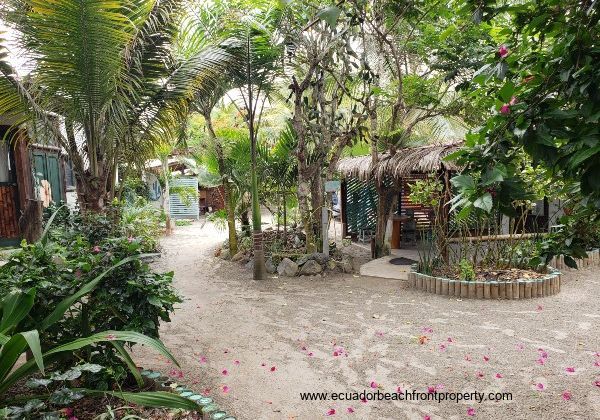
(361,205)
(46,165)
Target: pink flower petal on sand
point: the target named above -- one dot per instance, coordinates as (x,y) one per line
(439,386)
(442,347)
(350,410)
(373,384)
(486,358)
(426,417)
(304,348)
(273,368)
(597,363)
(310,354)
(566,396)
(236,362)
(570,369)
(430,389)
(206,391)
(520,347)
(540,361)
(364,400)
(470,411)
(379,333)
(225,389)
(450,340)
(203,359)
(499,375)
(224,372)
(335,354)
(502,51)
(263,364)
(468,358)
(399,390)
(427,330)
(331,412)
(479,374)
(540,386)
(597,383)
(540,307)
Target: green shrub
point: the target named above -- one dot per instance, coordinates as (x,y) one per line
(467,272)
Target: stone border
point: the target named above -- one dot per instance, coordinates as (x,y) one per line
(521,289)
(592,260)
(206,405)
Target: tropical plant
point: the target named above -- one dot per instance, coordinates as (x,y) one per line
(113,79)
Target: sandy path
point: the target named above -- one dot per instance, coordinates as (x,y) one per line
(228,317)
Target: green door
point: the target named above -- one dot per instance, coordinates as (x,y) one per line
(46,165)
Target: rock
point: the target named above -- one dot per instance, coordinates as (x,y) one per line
(287,268)
(331,265)
(302,260)
(346,264)
(238,257)
(297,241)
(250,265)
(310,268)
(271,269)
(225,254)
(320,258)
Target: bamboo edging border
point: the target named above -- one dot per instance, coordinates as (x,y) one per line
(520,289)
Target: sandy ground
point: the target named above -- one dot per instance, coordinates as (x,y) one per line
(232,331)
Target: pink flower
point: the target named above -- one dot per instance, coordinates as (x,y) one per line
(68,412)
(502,51)
(399,390)
(203,359)
(539,307)
(364,400)
(427,330)
(541,361)
(468,358)
(470,411)
(331,412)
(480,374)
(263,364)
(597,383)
(540,386)
(96,249)
(350,410)
(543,354)
(505,109)
(379,333)
(520,347)
(206,391)
(430,389)
(224,372)
(236,362)
(273,368)
(450,340)
(597,363)
(442,347)
(426,417)
(570,369)
(486,358)
(513,101)
(566,396)
(225,389)
(304,348)
(373,384)
(499,375)
(310,354)
(335,354)
(439,386)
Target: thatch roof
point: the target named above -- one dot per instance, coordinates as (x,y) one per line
(422,159)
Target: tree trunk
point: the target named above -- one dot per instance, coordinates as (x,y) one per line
(166,201)
(386,199)
(230,206)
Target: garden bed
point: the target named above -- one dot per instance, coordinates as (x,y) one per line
(522,288)
(488,275)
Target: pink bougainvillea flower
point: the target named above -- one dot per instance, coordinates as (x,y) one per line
(373,384)
(430,389)
(502,51)
(520,347)
(73,418)
(597,363)
(486,358)
(426,417)
(570,369)
(450,340)
(479,374)
(236,362)
(130,239)
(331,412)
(399,390)
(468,357)
(439,387)
(224,372)
(335,354)
(505,109)
(203,359)
(96,249)
(427,330)
(540,307)
(442,347)
(350,410)
(543,354)
(470,411)
(541,361)
(310,354)
(364,400)
(273,368)
(540,386)
(303,348)
(597,383)
(225,389)
(379,333)
(206,391)
(499,376)
(566,396)
(68,412)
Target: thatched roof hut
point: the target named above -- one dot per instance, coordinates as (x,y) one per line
(421,159)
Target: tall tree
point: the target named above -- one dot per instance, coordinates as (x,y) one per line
(112,76)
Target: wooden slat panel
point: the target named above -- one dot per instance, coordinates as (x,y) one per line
(179,210)
(9,221)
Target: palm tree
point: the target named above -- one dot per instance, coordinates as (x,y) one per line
(109,71)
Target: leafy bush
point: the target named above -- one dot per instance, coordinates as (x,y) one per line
(131,298)
(467,271)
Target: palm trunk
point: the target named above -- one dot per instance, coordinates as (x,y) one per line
(166,201)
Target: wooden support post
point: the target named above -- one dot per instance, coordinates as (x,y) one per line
(464,289)
(487,290)
(494,290)
(502,290)
(472,290)
(445,287)
(479,290)
(451,287)
(528,287)
(438,286)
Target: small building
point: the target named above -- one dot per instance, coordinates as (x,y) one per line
(31,174)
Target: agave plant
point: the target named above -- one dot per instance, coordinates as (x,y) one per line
(108,70)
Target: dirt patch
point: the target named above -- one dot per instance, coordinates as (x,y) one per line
(343,333)
(483,274)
